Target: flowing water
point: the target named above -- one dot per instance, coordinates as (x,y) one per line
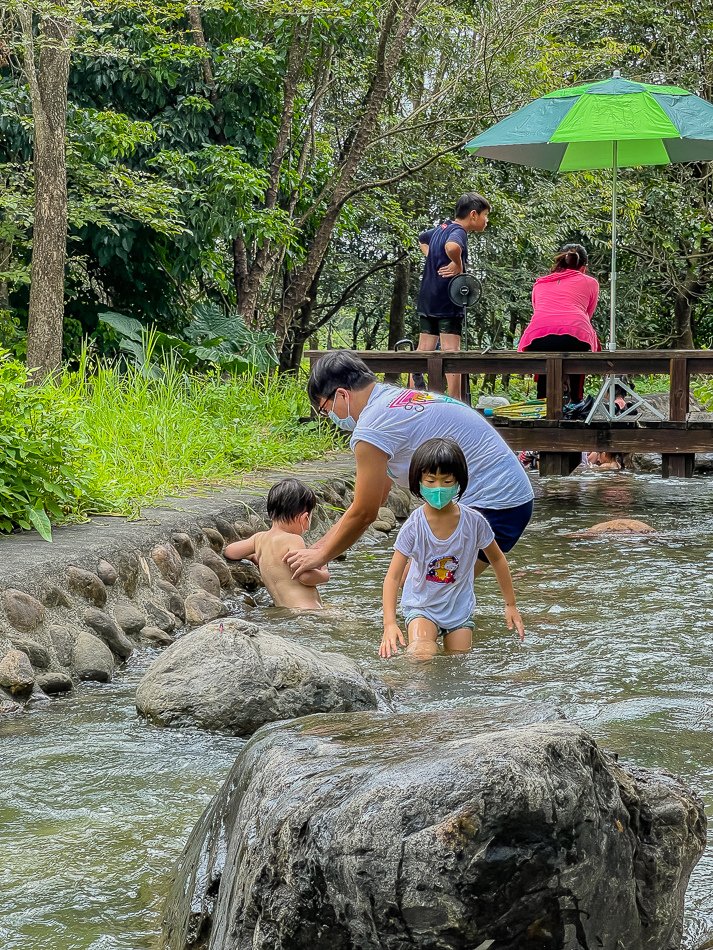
(95,804)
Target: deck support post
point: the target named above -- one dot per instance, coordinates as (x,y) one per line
(556,464)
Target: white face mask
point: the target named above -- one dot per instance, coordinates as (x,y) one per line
(348,424)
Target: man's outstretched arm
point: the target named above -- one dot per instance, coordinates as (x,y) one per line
(371,483)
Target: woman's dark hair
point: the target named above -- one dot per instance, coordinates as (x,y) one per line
(438,456)
(471,201)
(338,369)
(570,257)
(289,499)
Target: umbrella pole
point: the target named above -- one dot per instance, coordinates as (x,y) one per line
(612,303)
(609,386)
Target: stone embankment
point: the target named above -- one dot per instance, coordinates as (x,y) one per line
(75,610)
(439,829)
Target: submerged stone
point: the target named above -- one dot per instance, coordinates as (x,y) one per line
(160,617)
(619,526)
(434,830)
(202,607)
(156,637)
(92,659)
(54,682)
(16,674)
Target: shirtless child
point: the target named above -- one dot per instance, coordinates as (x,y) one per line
(289,507)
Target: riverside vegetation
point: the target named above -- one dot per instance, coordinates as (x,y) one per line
(107,438)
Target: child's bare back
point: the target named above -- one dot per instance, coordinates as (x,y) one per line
(289,506)
(270,548)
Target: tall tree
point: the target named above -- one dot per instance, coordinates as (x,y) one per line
(46,54)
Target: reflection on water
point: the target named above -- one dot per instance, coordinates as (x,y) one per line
(95,805)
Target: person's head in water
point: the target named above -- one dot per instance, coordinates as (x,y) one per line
(336,387)
(289,501)
(571,257)
(472,212)
(438,472)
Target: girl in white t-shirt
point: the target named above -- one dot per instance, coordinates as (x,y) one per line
(436,551)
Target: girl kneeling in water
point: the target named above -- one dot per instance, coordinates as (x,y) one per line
(438,545)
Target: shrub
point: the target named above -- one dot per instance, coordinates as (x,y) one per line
(41,471)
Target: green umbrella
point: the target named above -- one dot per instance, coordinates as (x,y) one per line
(610,124)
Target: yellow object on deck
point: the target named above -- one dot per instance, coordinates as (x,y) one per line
(530,409)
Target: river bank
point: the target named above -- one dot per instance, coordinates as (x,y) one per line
(75,610)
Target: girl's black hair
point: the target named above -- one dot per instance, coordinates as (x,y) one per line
(570,257)
(289,499)
(438,456)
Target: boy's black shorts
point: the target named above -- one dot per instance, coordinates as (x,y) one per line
(437,325)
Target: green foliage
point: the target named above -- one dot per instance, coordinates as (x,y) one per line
(213,339)
(43,475)
(703,391)
(173,197)
(111,439)
(148,438)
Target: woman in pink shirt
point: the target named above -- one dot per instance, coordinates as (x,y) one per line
(563,303)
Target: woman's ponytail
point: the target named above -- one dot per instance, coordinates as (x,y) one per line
(570,257)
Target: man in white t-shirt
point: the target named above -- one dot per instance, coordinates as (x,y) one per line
(388,424)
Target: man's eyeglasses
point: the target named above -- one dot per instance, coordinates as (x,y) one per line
(322,408)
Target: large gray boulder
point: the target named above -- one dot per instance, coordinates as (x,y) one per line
(232,677)
(424,831)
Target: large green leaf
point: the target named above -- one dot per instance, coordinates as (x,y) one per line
(124,325)
(40,522)
(210,323)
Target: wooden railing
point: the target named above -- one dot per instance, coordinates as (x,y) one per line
(678,365)
(675,439)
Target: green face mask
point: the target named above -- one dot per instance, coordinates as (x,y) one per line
(439,497)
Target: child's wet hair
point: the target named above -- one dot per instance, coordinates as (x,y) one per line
(289,499)
(438,457)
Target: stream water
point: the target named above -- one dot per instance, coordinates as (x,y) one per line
(95,804)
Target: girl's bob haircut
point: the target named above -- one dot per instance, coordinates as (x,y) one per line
(438,457)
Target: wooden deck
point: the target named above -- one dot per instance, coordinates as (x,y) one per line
(561,441)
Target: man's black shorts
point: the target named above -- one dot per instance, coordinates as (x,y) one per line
(437,325)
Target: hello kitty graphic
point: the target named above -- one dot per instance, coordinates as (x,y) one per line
(442,570)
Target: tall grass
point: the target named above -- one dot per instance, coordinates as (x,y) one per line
(144,437)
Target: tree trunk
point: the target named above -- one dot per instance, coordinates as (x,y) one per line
(48,81)
(5,254)
(397,308)
(293,343)
(683,326)
(196,23)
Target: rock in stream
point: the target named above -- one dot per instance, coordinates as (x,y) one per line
(432,830)
(230,676)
